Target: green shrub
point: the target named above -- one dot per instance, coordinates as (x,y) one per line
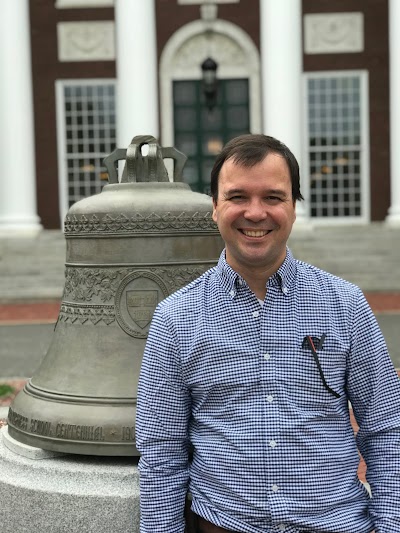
(5,390)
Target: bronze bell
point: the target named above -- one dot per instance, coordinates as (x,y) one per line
(128,248)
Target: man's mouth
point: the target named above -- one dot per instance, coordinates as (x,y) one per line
(255,233)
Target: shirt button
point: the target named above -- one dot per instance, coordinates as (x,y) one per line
(282,527)
(256,313)
(275,488)
(267,356)
(272,443)
(232,293)
(270,398)
(285,290)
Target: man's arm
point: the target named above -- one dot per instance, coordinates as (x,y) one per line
(374,392)
(163,413)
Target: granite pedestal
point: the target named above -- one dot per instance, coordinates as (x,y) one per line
(59,493)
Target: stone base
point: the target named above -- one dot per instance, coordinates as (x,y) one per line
(45,491)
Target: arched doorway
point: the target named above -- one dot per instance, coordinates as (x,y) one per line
(186,123)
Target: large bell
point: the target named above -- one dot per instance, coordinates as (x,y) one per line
(128,248)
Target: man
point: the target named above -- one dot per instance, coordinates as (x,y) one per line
(253,365)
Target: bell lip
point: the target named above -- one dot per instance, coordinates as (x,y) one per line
(48,394)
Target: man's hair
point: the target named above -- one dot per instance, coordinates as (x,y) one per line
(248,150)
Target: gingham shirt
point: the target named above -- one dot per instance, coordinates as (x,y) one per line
(273,449)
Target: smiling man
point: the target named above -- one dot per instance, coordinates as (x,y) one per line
(255,211)
(247,376)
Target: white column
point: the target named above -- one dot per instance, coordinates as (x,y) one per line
(393,216)
(281,60)
(18,215)
(137,94)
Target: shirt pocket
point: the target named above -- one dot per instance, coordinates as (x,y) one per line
(317,382)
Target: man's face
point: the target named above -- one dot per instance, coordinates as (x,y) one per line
(255,213)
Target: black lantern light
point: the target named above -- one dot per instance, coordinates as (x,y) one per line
(209,69)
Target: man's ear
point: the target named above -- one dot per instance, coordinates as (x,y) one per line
(214,213)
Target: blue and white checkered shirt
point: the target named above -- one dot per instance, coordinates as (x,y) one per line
(273,447)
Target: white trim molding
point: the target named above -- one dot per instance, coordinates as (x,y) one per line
(235,53)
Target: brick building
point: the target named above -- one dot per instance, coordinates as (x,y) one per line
(80,77)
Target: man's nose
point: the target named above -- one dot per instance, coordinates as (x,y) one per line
(256,211)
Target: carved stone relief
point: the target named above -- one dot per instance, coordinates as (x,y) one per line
(206,1)
(333,33)
(69,4)
(86,41)
(220,47)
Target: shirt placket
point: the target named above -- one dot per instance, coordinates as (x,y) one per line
(272,408)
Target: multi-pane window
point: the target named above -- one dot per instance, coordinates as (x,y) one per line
(336,136)
(88,111)
(200,133)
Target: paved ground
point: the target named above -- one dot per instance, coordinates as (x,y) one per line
(26,331)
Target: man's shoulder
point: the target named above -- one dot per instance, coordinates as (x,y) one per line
(190,293)
(311,275)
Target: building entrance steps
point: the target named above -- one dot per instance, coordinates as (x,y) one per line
(369,256)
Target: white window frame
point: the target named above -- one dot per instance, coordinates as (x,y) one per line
(62,155)
(365,187)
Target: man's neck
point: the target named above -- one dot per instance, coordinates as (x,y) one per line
(255,277)
(257,280)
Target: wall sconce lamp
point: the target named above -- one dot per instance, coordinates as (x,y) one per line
(210,82)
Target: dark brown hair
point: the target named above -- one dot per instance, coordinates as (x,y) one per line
(248,150)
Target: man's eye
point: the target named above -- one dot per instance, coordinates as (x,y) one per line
(273,198)
(236,197)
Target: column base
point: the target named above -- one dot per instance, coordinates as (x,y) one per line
(303,222)
(393,217)
(13,227)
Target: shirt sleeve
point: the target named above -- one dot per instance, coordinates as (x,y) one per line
(163,412)
(374,392)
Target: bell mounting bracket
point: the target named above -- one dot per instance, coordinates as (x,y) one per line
(144,168)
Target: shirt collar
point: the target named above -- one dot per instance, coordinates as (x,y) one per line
(283,277)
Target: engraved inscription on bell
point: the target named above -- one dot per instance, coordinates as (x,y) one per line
(136,299)
(141,306)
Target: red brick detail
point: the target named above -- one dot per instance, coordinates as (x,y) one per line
(29,312)
(383,301)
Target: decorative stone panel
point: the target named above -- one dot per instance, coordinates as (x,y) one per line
(86,41)
(333,33)
(208,1)
(74,4)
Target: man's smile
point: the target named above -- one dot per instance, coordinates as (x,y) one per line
(255,233)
